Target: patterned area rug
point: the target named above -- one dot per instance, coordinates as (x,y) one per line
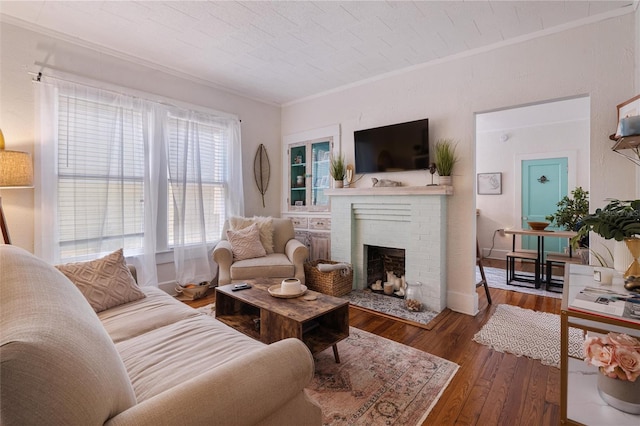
(388,305)
(497,278)
(378,382)
(524,332)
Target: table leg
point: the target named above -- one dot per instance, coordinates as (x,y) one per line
(540,261)
(335,353)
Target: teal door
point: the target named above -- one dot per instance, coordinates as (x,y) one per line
(544,183)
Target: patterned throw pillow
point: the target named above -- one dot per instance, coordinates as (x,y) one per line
(265,226)
(104,282)
(245,243)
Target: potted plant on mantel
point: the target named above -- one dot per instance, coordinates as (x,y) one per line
(337,170)
(620,221)
(446,158)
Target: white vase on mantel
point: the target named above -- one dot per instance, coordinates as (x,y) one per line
(445,180)
(338,183)
(622,257)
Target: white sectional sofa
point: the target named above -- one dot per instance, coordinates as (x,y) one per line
(152,361)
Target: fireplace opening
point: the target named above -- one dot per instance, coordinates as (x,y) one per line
(385,265)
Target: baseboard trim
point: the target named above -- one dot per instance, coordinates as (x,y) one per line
(463,303)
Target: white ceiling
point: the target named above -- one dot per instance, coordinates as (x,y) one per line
(284,51)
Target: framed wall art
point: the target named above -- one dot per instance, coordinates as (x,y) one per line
(490,183)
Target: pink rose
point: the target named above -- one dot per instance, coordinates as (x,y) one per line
(624,340)
(629,362)
(598,354)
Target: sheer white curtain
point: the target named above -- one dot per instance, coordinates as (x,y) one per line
(204,171)
(186,198)
(119,171)
(91,170)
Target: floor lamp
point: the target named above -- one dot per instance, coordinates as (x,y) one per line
(16,171)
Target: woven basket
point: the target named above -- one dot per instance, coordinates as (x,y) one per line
(332,283)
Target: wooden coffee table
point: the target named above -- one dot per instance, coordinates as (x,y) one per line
(318,323)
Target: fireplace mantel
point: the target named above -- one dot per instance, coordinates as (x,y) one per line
(392,190)
(412,218)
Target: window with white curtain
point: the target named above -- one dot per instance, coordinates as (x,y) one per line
(101,174)
(197,151)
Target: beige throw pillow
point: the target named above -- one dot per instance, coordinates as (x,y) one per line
(245,243)
(104,282)
(265,226)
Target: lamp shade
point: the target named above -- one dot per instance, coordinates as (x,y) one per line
(16,168)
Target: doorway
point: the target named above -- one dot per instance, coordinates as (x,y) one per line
(508,138)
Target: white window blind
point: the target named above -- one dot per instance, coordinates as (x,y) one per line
(100,178)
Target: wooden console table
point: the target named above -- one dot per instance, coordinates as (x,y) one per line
(580,403)
(319,323)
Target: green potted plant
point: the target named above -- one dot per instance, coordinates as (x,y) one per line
(620,221)
(445,160)
(570,213)
(617,220)
(337,169)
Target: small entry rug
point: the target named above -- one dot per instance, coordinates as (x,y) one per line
(388,305)
(378,382)
(523,332)
(497,278)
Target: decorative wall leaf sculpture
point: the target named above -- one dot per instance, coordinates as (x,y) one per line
(262,170)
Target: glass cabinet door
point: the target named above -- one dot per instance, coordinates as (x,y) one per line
(320,178)
(309,175)
(297,177)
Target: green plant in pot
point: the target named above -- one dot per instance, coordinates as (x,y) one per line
(338,169)
(446,158)
(620,221)
(571,211)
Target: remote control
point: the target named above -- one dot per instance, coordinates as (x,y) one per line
(239,287)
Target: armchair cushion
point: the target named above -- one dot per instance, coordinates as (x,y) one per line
(273,265)
(265,226)
(104,282)
(245,243)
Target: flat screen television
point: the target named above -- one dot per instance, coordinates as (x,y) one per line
(394,148)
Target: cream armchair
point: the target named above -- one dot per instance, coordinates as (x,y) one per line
(286,261)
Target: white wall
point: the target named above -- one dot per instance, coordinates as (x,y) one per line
(567,139)
(595,59)
(20,48)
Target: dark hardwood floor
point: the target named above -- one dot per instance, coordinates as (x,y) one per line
(490,388)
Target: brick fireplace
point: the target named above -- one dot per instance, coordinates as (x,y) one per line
(412,219)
